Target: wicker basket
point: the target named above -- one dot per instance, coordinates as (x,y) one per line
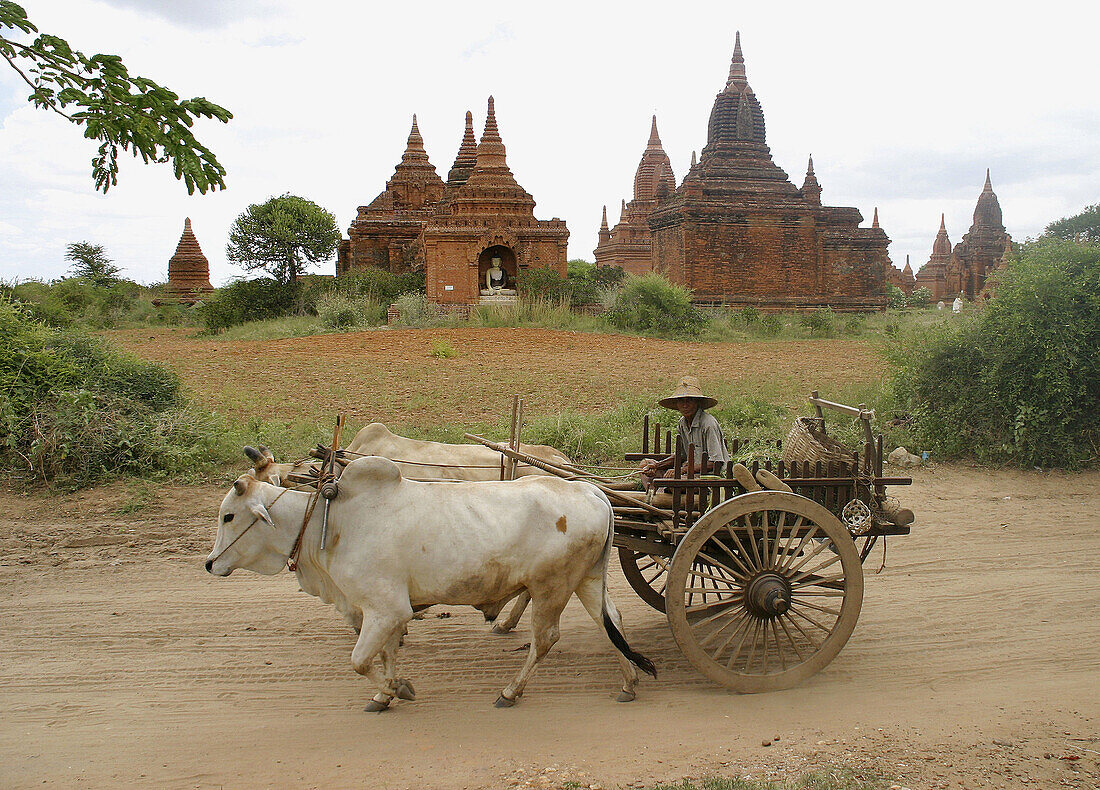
(808,441)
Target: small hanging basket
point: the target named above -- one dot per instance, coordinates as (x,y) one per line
(808,441)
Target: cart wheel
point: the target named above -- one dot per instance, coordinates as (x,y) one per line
(763,591)
(647,574)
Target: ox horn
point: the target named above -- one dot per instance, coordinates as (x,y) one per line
(270,456)
(240,485)
(254,455)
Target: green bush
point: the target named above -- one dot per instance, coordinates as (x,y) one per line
(371,283)
(415,310)
(650,303)
(74,409)
(749,315)
(768,325)
(248,300)
(75,301)
(1016,382)
(820,323)
(541,283)
(589,283)
(342,311)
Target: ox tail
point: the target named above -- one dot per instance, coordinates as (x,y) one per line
(613,632)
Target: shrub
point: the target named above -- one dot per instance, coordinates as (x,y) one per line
(650,303)
(342,311)
(819,322)
(769,325)
(589,282)
(74,409)
(749,315)
(541,283)
(248,300)
(415,310)
(854,325)
(1017,381)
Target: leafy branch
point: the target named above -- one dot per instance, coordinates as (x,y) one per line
(123,112)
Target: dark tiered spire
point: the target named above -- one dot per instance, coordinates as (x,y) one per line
(942,244)
(987,213)
(605,232)
(654,172)
(737,77)
(188,269)
(874,222)
(466,158)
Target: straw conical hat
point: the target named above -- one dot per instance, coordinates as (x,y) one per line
(688,388)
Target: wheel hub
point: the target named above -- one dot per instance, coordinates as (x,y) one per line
(768,595)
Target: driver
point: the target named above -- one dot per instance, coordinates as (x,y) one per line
(696,427)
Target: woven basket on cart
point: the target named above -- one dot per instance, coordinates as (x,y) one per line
(808,441)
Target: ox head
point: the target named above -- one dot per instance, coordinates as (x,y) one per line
(264,467)
(247,537)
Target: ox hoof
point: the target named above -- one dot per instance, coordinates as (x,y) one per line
(405,690)
(504,702)
(497,629)
(626,696)
(374,706)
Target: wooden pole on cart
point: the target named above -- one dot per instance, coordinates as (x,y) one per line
(326,483)
(555,470)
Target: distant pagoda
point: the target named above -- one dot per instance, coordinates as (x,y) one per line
(188,269)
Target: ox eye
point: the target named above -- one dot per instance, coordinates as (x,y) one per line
(227,518)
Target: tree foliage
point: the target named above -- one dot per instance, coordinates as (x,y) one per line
(1080,227)
(123,111)
(650,303)
(91,263)
(281,236)
(1017,381)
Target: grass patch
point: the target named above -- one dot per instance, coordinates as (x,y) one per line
(442,349)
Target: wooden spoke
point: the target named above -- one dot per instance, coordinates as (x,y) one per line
(783,624)
(794,611)
(736,619)
(774,538)
(647,574)
(794,555)
(817,580)
(826,609)
(804,574)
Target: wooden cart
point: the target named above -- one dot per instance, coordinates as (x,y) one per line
(761,588)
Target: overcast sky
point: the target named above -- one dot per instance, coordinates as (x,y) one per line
(902,109)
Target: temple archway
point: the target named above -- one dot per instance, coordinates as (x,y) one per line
(507,262)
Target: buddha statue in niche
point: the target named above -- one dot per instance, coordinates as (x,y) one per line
(496,279)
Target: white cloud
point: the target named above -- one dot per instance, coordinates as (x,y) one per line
(903,109)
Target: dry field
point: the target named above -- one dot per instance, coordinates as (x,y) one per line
(391,375)
(976,661)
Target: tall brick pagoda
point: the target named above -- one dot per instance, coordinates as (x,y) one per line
(628,243)
(963,271)
(188,269)
(454,229)
(386,232)
(488,216)
(738,232)
(902,278)
(933,275)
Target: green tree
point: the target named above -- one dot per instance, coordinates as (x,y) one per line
(281,236)
(91,263)
(1080,227)
(122,111)
(1016,381)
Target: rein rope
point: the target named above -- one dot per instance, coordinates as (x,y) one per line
(245,530)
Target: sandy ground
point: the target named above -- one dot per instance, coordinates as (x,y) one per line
(976,663)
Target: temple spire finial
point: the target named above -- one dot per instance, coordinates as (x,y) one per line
(186,224)
(654,138)
(810,166)
(737,64)
(693,160)
(603,223)
(988,184)
(943,227)
(874,222)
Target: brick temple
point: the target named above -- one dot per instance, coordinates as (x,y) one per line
(188,270)
(963,270)
(455,230)
(737,231)
(629,244)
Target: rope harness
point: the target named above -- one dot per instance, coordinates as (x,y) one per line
(245,530)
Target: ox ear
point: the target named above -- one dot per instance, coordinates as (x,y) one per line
(260,512)
(275,479)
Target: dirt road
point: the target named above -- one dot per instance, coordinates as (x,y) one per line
(976,663)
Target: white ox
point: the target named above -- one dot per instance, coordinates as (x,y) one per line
(434,460)
(396,545)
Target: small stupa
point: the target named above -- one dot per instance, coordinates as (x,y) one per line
(188,269)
